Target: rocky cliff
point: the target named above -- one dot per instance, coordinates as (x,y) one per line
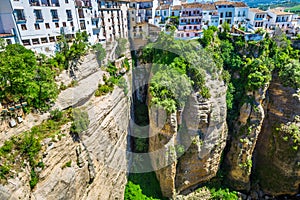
(191,140)
(244,138)
(267,135)
(277,163)
(93,167)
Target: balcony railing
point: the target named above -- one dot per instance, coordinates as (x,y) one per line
(21,20)
(39,19)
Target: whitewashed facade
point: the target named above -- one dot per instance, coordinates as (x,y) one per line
(258,19)
(38,24)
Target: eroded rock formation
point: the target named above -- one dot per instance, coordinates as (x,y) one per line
(193,139)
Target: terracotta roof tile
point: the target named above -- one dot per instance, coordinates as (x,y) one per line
(279,12)
(256,10)
(177,7)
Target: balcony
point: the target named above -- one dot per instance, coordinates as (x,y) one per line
(21,20)
(55,18)
(39,19)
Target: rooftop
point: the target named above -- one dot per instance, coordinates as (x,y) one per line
(5,35)
(279,12)
(192,5)
(177,7)
(235,4)
(163,7)
(256,10)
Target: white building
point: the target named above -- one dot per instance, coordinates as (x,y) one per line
(163,11)
(8,30)
(241,11)
(176,10)
(281,19)
(210,14)
(140,13)
(114,21)
(190,21)
(234,13)
(258,19)
(39,23)
(226,11)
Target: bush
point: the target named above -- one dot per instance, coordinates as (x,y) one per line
(4,170)
(56,115)
(34,179)
(103,89)
(7,147)
(123,84)
(62,86)
(80,121)
(204,92)
(223,194)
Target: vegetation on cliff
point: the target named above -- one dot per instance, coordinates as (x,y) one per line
(177,69)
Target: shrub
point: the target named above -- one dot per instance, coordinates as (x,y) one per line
(123,84)
(34,179)
(80,121)
(223,194)
(62,86)
(103,89)
(4,170)
(205,92)
(56,115)
(67,164)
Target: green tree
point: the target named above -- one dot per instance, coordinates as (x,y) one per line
(100,51)
(290,74)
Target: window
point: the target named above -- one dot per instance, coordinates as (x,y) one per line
(221,15)
(82,25)
(38,15)
(44,40)
(35,41)
(37,27)
(72,24)
(23,27)
(52,39)
(64,24)
(26,42)
(56,25)
(66,1)
(54,14)
(47,25)
(69,14)
(8,41)
(19,14)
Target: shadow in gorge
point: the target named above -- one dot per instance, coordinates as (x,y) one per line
(140,185)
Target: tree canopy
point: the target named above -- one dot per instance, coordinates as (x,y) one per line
(22,77)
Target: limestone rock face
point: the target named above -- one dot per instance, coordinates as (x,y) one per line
(193,139)
(277,163)
(98,160)
(244,140)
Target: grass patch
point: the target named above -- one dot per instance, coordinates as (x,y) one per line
(148,184)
